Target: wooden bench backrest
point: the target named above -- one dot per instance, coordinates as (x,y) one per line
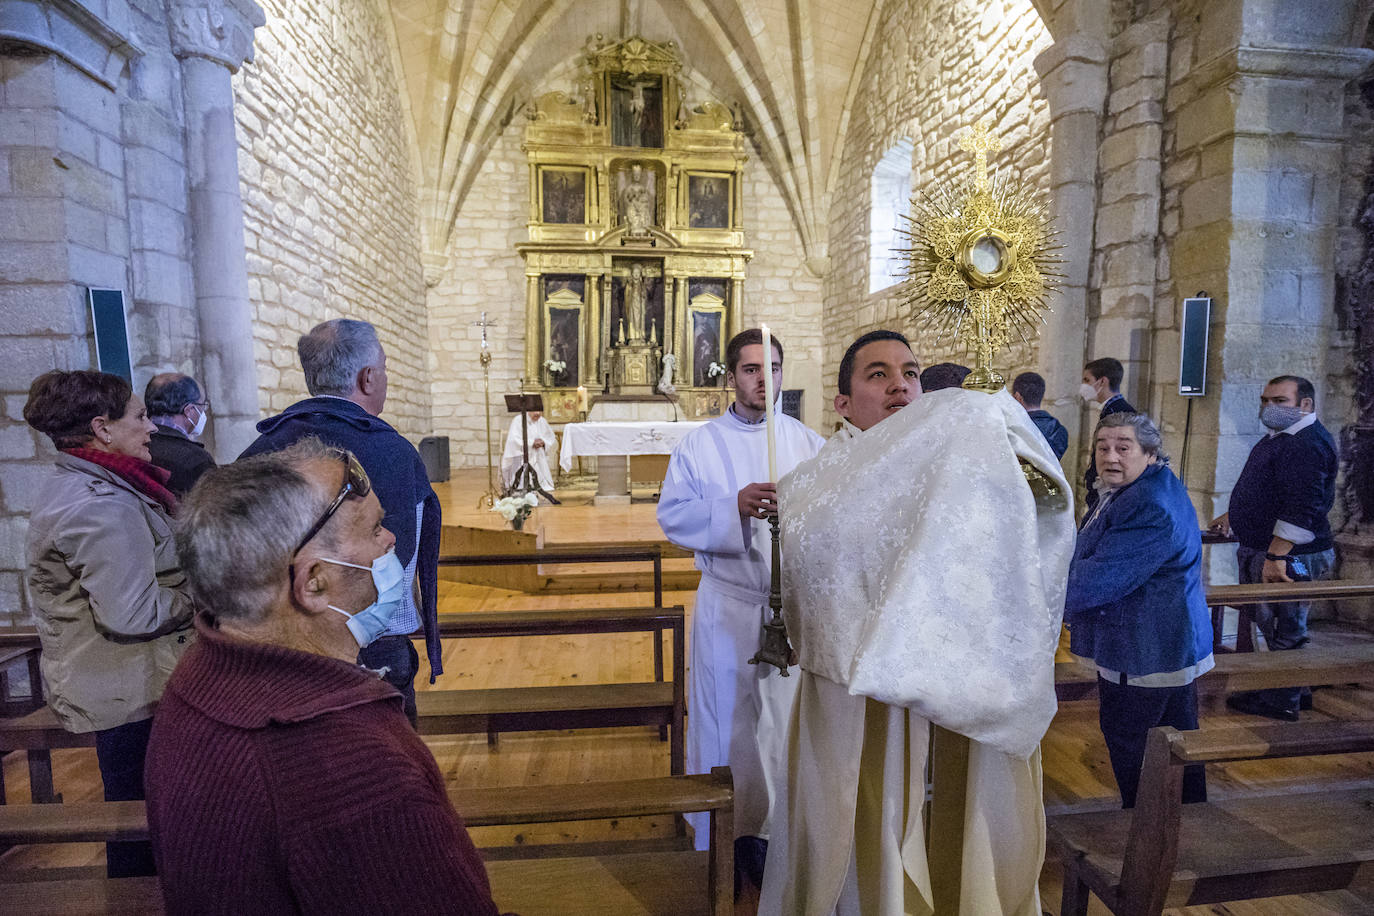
(1152,845)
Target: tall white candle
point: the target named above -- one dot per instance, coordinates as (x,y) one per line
(768,406)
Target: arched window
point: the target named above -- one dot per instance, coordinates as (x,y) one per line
(890,194)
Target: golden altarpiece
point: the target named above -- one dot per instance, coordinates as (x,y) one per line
(635,262)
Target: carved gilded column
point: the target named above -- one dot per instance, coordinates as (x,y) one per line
(671,323)
(605,367)
(736,306)
(685,323)
(533,340)
(213,38)
(591,368)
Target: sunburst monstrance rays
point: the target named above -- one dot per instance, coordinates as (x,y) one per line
(982,260)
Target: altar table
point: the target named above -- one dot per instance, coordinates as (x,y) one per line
(613,442)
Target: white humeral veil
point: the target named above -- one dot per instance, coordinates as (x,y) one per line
(922,584)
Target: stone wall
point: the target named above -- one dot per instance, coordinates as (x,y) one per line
(781,292)
(484,273)
(93,193)
(330,205)
(935,69)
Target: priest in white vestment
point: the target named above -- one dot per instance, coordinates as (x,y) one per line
(542,440)
(923,583)
(715,501)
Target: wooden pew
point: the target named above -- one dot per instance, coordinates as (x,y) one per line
(565,884)
(1165,853)
(1237,671)
(1245,598)
(449,712)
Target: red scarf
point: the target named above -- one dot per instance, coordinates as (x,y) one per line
(147,478)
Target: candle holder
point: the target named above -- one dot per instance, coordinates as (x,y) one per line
(774,649)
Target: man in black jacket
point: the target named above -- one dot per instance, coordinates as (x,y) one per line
(1029,390)
(1101,385)
(345,371)
(1278,513)
(179,408)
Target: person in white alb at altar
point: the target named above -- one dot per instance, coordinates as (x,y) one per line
(541,441)
(716,501)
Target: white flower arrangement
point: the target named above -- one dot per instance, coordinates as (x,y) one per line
(555,366)
(518,506)
(715,370)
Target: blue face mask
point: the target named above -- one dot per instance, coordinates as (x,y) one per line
(388,576)
(1279,416)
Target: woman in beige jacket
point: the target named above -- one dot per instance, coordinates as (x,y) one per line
(112,608)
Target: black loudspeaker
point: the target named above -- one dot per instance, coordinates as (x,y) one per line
(434,453)
(1192,360)
(111,333)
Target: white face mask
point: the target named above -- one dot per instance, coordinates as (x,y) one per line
(1089,394)
(200,422)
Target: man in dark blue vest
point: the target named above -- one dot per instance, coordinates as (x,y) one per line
(345,372)
(1278,513)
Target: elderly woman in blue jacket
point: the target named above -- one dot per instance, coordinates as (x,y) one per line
(1135,604)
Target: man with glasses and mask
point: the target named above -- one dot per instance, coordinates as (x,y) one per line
(345,371)
(180,409)
(1278,513)
(282,776)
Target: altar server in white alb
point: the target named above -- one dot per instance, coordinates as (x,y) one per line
(716,501)
(541,441)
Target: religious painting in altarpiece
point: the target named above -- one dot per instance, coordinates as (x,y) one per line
(708,201)
(563,195)
(563,328)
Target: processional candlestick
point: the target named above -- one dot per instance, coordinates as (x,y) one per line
(489,498)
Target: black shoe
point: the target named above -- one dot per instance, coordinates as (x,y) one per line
(1254,706)
(1305,701)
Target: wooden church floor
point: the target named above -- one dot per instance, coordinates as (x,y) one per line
(1077,773)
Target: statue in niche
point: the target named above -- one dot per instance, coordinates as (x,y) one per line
(589,101)
(635,303)
(637,198)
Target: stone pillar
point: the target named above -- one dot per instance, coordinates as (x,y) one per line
(213,38)
(1073,75)
(1257,224)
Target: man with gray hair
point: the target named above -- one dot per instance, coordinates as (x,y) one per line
(281,776)
(179,408)
(345,371)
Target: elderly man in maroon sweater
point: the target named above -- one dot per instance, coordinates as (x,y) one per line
(281,776)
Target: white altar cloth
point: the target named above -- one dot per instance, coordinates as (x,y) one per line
(624,438)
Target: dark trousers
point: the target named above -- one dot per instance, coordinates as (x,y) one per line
(750,853)
(1283,623)
(121,751)
(1126,715)
(398,656)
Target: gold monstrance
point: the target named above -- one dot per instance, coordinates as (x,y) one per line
(979,261)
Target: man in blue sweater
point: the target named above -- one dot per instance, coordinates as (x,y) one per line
(345,372)
(1029,391)
(1278,514)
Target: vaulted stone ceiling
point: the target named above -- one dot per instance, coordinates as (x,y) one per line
(469,66)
